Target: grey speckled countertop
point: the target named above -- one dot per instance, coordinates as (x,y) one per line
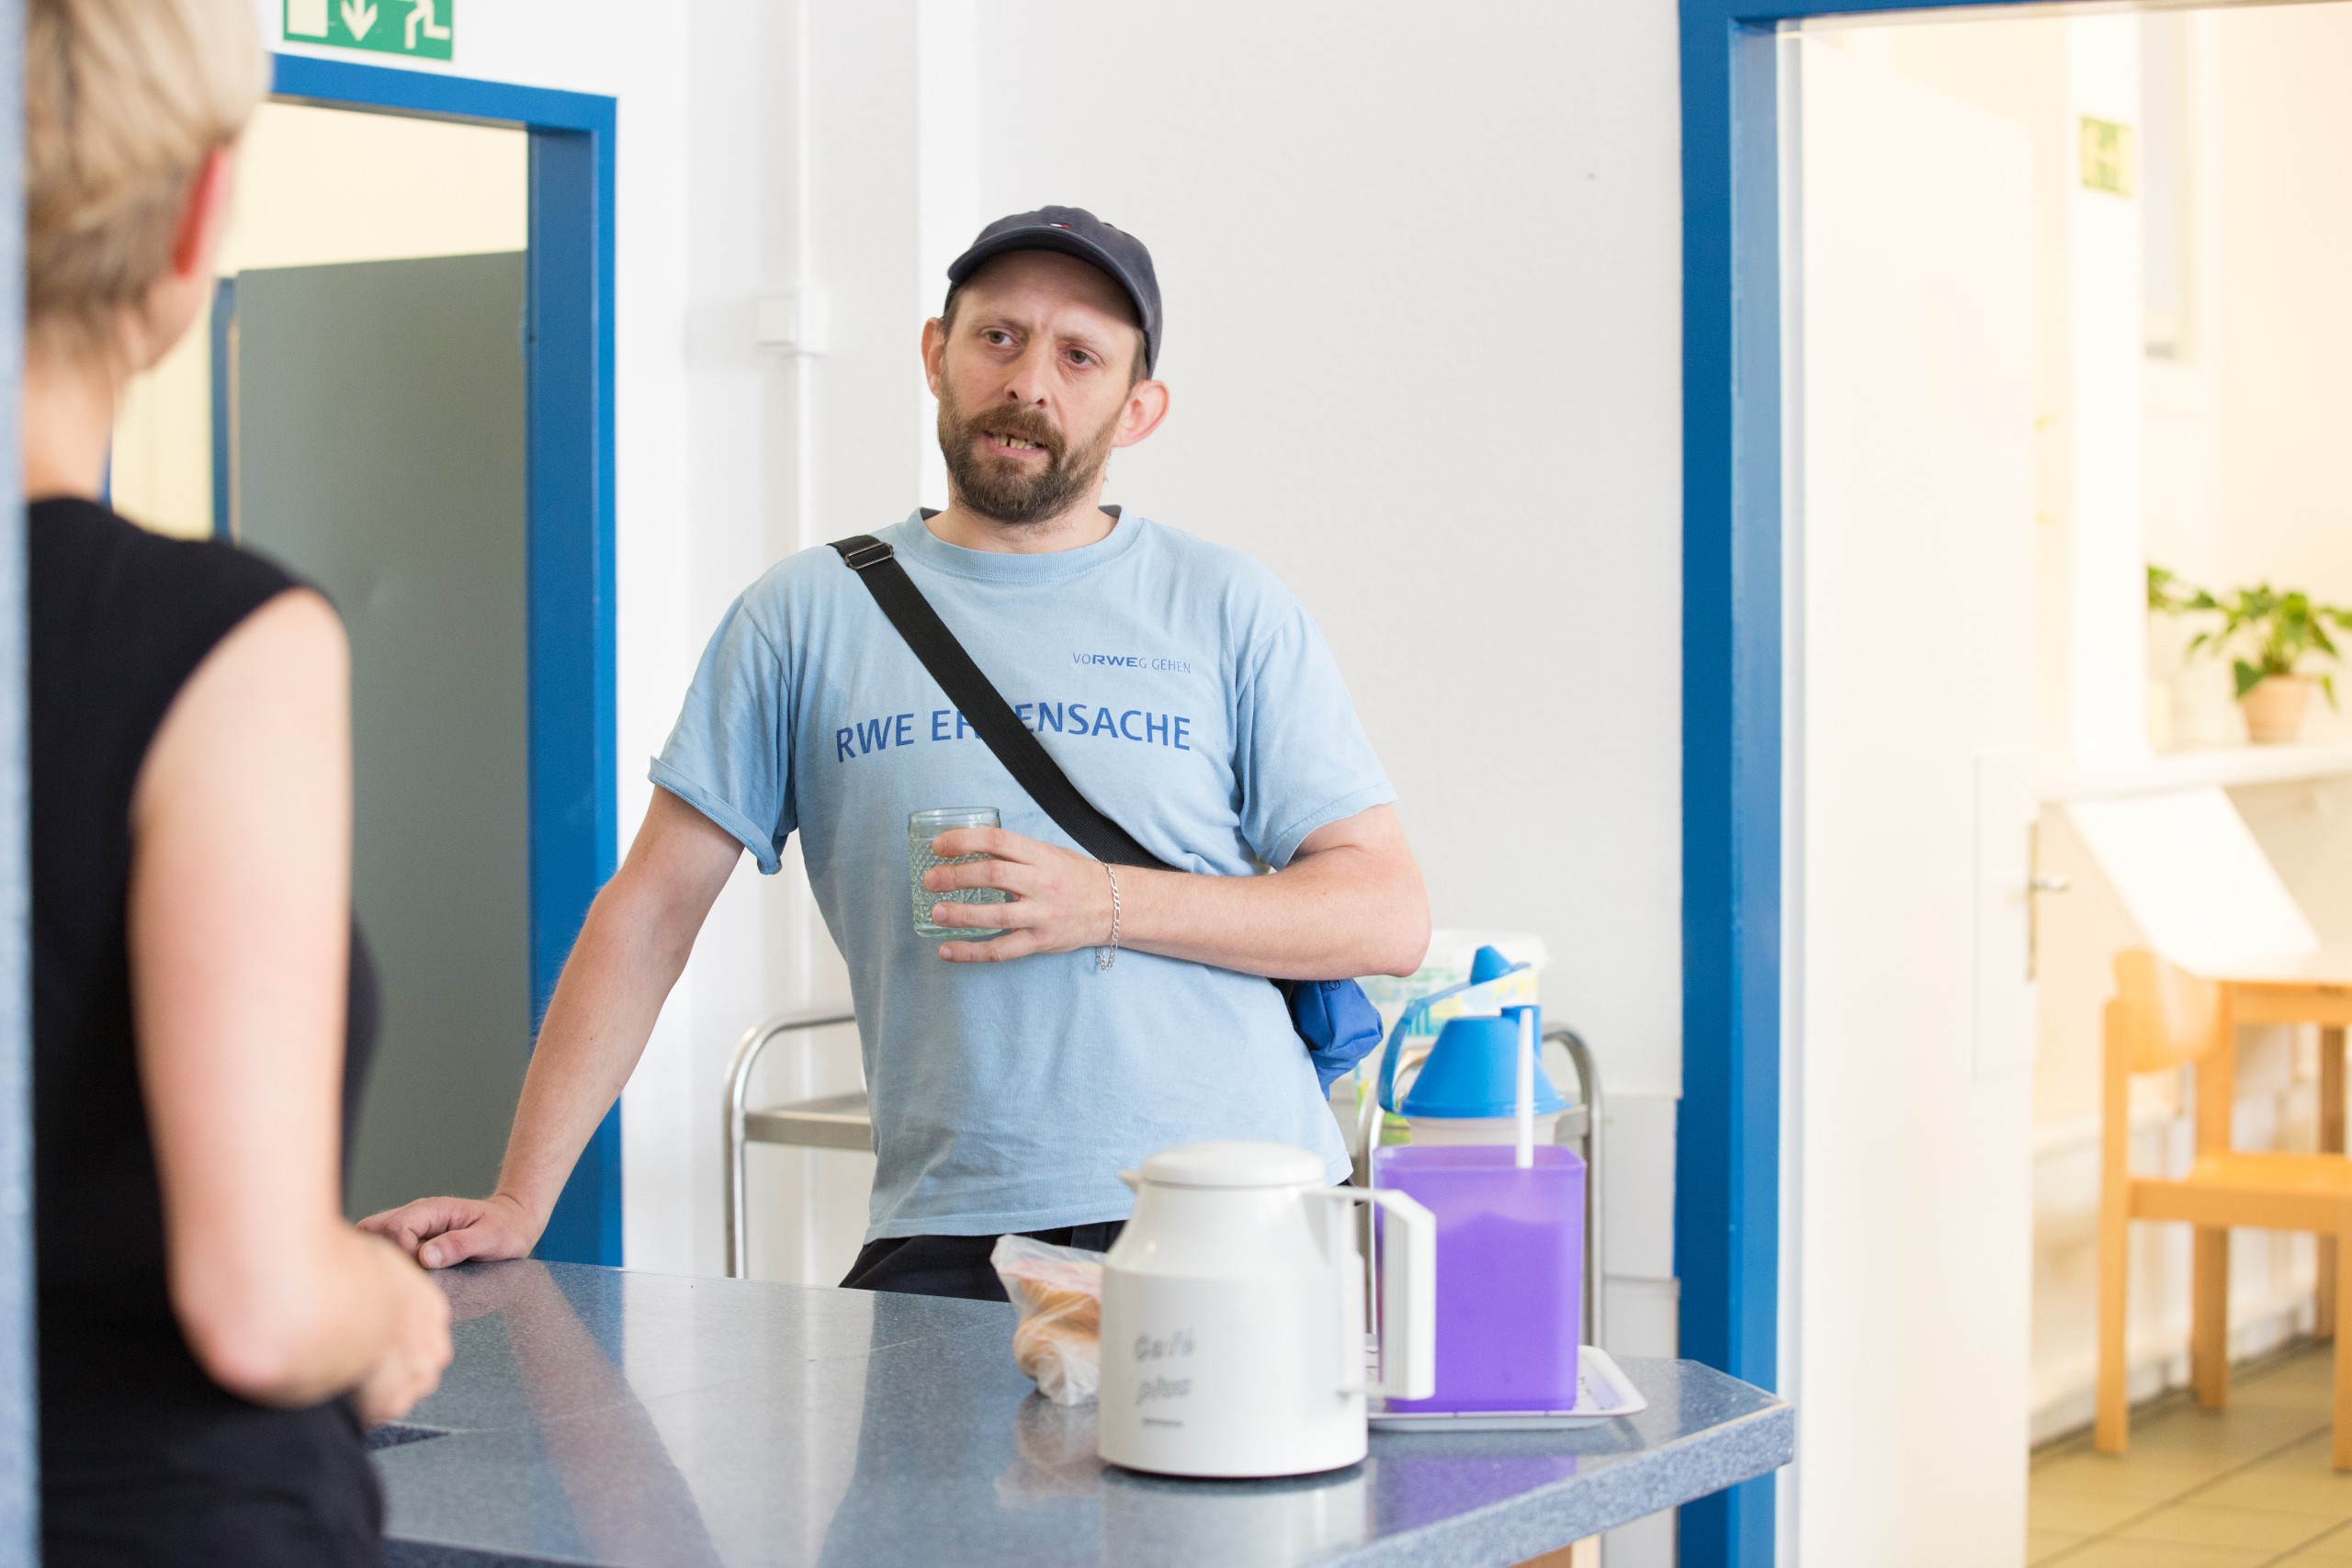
(598,1416)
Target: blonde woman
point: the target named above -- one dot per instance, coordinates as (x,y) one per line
(213,1336)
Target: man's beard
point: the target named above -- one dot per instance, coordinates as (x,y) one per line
(1008,490)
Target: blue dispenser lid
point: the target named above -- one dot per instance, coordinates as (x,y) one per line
(1473,1070)
(1489,964)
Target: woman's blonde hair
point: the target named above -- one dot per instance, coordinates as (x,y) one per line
(124,101)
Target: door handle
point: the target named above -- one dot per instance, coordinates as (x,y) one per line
(2037,882)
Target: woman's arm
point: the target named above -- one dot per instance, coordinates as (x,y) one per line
(240,932)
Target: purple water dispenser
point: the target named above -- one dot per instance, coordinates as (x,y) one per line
(1509,1226)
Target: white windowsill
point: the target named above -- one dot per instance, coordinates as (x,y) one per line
(2227,766)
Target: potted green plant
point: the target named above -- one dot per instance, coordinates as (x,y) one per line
(2267,635)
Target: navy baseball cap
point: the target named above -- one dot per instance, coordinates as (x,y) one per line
(1074,231)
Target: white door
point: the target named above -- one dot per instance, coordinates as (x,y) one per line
(1911,798)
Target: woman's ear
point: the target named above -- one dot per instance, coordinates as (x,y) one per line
(204,216)
(184,289)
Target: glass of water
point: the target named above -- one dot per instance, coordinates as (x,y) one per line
(922,827)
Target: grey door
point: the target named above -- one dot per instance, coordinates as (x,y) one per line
(379,437)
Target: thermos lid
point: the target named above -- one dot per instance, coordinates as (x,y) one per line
(1232,1163)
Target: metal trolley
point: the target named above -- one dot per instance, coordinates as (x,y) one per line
(1581,1125)
(846,1121)
(828,1121)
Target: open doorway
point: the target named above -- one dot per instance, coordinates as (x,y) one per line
(358,414)
(407,398)
(2062,305)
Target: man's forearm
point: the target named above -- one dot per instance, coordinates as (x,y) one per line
(597,1023)
(630,952)
(1331,915)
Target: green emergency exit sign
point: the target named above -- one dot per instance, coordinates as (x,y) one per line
(424,30)
(2106,156)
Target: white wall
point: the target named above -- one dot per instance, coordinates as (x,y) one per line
(2245,481)
(1423,301)
(1433,385)
(2284,222)
(1423,290)
(2104,416)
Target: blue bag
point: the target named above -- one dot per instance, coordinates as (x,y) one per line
(1337,1023)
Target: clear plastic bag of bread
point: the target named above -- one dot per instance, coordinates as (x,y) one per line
(1059,1291)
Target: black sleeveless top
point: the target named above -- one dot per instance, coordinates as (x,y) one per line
(143,1458)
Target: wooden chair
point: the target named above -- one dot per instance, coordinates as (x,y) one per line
(2164,1017)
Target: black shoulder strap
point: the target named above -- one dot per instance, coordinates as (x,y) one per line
(991,716)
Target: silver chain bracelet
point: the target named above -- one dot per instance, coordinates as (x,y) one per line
(1106,956)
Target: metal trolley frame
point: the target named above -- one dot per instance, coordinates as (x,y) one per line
(828,1121)
(846,1121)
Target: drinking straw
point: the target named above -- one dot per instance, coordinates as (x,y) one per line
(1526,1088)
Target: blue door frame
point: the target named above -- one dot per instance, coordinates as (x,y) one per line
(568,381)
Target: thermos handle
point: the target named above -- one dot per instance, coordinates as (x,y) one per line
(1408,1297)
(1407,1293)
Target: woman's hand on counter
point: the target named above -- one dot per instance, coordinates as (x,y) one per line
(409,1365)
(439,1232)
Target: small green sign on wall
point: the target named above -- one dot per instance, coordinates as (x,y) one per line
(424,30)
(2106,156)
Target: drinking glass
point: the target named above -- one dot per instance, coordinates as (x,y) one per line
(922,827)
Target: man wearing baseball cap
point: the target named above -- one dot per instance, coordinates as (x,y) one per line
(1184,694)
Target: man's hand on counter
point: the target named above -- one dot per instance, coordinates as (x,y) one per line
(439,1232)
(630,951)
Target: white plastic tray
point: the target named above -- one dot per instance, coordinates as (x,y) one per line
(1603,1392)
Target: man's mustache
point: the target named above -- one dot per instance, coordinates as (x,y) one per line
(1022,422)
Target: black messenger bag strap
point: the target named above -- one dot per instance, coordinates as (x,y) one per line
(984,707)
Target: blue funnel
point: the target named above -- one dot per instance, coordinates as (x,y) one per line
(1473,1070)
(1489,964)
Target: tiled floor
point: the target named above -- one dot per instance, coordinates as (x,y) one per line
(2241,1487)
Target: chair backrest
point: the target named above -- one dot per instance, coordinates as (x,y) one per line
(2162,1014)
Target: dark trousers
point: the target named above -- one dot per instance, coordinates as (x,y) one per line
(957,1265)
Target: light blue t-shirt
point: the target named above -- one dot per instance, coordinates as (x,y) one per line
(1188,695)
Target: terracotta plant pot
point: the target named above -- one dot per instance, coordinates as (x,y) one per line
(2274,709)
